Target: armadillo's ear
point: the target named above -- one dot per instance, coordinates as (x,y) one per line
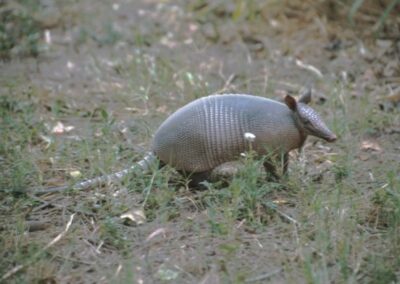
(291,102)
(306,97)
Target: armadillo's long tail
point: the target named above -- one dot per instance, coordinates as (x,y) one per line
(144,164)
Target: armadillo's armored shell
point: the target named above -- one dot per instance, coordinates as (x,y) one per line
(210,131)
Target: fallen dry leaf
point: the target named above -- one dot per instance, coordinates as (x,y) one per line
(60,128)
(370,145)
(162,109)
(364,156)
(166,274)
(47,139)
(34,225)
(157,232)
(280,201)
(136,215)
(75,174)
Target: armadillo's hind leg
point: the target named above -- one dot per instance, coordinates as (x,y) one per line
(195,179)
(161,164)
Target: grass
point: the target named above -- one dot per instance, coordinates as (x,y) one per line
(344,233)
(20,32)
(334,219)
(357,4)
(17,117)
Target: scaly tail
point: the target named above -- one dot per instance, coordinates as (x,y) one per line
(144,164)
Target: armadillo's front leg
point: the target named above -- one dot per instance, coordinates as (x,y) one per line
(270,166)
(285,163)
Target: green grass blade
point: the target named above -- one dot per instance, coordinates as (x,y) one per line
(386,13)
(354,8)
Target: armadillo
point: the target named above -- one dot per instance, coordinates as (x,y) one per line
(211,131)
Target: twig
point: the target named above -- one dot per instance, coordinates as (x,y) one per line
(264,276)
(291,219)
(310,68)
(119,268)
(44,203)
(55,240)
(73,259)
(284,215)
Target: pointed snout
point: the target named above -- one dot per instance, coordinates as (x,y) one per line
(322,131)
(331,137)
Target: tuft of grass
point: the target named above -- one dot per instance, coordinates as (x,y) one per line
(387,205)
(385,216)
(19,130)
(357,4)
(160,201)
(20,32)
(248,197)
(112,235)
(109,36)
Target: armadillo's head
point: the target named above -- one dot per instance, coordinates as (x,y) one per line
(309,121)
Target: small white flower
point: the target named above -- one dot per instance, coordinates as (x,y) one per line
(47,36)
(70,65)
(249,137)
(115,6)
